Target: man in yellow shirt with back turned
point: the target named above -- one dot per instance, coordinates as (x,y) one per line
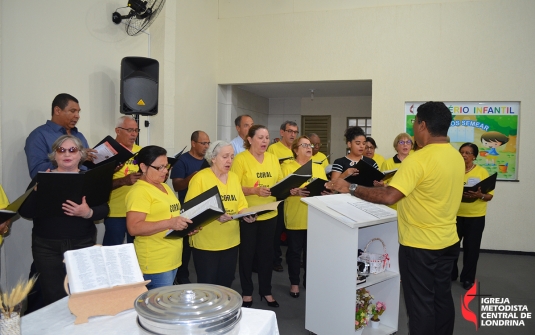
(427,188)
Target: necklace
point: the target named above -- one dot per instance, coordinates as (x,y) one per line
(470,169)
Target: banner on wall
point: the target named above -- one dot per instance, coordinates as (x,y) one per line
(492,126)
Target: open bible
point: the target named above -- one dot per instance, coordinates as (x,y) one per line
(201,210)
(102,267)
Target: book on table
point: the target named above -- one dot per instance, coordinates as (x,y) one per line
(12,209)
(488,184)
(258,210)
(201,210)
(100,267)
(368,174)
(54,188)
(109,150)
(281,190)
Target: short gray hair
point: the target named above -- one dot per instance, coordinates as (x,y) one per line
(214,149)
(120,121)
(59,142)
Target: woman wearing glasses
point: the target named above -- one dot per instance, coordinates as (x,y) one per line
(152,209)
(257,171)
(52,236)
(345,166)
(471,216)
(403,145)
(215,247)
(295,212)
(369,151)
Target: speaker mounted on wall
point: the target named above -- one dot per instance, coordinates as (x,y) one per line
(139,86)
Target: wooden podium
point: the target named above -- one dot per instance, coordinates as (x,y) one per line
(333,243)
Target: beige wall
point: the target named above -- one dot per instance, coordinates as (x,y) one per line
(418,51)
(72,46)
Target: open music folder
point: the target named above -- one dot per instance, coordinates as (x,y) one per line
(109,150)
(368,174)
(281,190)
(12,209)
(488,184)
(201,210)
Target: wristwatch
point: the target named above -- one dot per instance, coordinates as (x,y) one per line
(352,188)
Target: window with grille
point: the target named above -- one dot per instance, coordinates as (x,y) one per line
(363,122)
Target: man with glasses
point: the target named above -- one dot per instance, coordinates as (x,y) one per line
(317,156)
(184,169)
(65,115)
(243,123)
(283,151)
(126,131)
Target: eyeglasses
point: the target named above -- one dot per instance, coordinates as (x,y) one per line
(307,145)
(160,168)
(295,132)
(62,150)
(466,153)
(130,130)
(203,143)
(405,142)
(316,145)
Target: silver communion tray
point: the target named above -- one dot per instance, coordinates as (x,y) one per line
(189,309)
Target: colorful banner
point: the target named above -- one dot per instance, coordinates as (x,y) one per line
(492,126)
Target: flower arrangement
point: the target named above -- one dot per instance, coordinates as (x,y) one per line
(362,308)
(378,310)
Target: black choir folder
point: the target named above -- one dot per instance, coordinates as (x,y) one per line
(201,210)
(54,188)
(174,159)
(281,190)
(368,174)
(12,209)
(109,150)
(316,187)
(488,184)
(258,210)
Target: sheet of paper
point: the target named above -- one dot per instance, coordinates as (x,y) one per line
(104,151)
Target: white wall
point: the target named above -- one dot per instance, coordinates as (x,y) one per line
(414,51)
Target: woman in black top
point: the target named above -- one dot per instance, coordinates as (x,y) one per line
(52,236)
(345,166)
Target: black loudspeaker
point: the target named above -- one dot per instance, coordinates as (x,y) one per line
(139,86)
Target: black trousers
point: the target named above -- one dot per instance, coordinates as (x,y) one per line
(182,273)
(281,227)
(215,267)
(256,237)
(297,245)
(425,277)
(470,231)
(48,260)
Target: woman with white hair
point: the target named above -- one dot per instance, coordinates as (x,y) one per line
(52,236)
(215,247)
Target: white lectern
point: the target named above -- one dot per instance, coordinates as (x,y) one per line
(338,225)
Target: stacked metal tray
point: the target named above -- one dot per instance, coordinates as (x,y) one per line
(189,309)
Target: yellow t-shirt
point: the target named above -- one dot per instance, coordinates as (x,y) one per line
(320,157)
(4,202)
(478,207)
(217,236)
(280,150)
(155,253)
(389,164)
(379,160)
(432,181)
(116,203)
(252,173)
(296,211)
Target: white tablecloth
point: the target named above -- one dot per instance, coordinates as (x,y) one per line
(57,319)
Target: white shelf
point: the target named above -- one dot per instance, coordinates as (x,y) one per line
(380,277)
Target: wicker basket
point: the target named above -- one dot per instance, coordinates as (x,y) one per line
(377,262)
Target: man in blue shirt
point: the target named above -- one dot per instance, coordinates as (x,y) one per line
(243,123)
(65,115)
(184,169)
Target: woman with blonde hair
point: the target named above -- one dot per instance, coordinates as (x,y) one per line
(403,145)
